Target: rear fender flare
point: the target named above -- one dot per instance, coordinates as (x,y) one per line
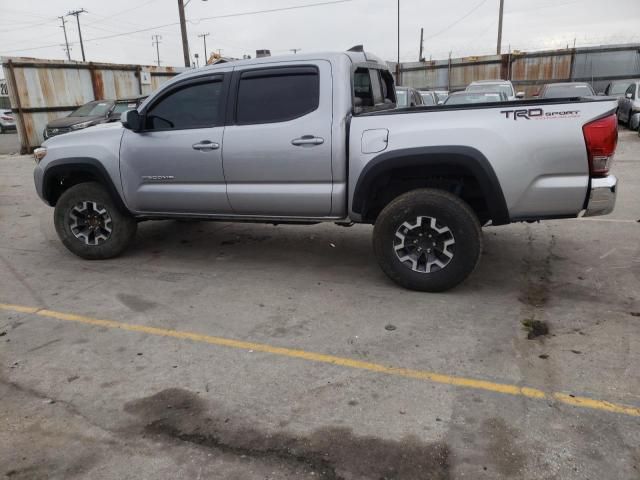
(471,159)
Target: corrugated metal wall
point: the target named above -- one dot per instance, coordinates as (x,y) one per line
(43,90)
(528,71)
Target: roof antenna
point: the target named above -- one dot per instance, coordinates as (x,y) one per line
(356,48)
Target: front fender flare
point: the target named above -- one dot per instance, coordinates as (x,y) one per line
(92,166)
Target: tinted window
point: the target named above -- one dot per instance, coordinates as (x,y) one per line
(427,99)
(193,106)
(567,91)
(631,90)
(362,87)
(91,109)
(617,88)
(376,87)
(285,94)
(464,98)
(123,107)
(491,87)
(402,97)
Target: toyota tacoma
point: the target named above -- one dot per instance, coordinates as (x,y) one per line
(318,138)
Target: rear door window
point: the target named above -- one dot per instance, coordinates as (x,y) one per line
(277,95)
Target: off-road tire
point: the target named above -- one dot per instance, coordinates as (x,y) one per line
(452,216)
(123,226)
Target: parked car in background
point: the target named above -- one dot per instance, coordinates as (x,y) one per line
(565,90)
(87,115)
(441,95)
(407,97)
(7,121)
(123,105)
(629,105)
(617,88)
(504,86)
(462,98)
(429,97)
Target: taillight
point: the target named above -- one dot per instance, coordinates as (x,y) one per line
(601,137)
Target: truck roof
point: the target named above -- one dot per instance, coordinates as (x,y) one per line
(490,81)
(354,56)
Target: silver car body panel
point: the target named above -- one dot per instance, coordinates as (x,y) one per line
(540,163)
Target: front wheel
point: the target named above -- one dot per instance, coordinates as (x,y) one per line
(427,240)
(89,223)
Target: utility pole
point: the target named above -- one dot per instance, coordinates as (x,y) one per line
(183,31)
(499,48)
(204,39)
(66,40)
(156,42)
(398,58)
(420,59)
(76,13)
(295,50)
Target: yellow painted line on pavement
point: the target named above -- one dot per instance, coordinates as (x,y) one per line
(502,388)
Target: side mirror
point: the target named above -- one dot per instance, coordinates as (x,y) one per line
(628,95)
(132,120)
(520,95)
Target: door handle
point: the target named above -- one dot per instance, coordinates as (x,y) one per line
(307,141)
(206,146)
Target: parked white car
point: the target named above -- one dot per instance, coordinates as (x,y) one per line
(7,121)
(629,105)
(505,86)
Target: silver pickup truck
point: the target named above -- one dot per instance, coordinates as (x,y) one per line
(318,138)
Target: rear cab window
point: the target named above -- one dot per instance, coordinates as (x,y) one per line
(373,89)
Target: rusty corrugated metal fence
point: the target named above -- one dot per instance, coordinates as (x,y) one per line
(43,90)
(527,70)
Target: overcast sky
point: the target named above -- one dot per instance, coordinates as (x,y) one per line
(464,27)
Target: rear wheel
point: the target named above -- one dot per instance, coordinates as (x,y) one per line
(90,225)
(427,240)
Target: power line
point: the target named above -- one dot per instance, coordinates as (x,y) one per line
(271,10)
(77,13)
(457,21)
(229,15)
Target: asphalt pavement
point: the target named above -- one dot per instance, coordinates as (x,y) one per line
(247,351)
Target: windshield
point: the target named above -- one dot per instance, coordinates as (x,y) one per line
(463,98)
(441,96)
(567,91)
(403,98)
(492,87)
(92,109)
(427,99)
(619,88)
(123,107)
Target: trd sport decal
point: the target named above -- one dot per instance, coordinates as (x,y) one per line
(538,114)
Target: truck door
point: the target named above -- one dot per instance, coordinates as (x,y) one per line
(175,164)
(277,145)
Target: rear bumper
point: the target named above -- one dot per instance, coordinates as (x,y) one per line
(602,196)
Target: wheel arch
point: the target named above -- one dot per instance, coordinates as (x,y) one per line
(430,163)
(62,174)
